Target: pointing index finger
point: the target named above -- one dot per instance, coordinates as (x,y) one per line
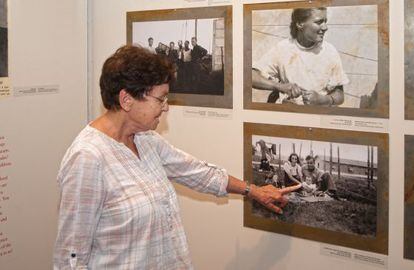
(287,190)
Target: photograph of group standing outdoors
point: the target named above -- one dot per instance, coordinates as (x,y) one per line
(196,47)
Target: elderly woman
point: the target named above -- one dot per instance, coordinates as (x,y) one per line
(303,69)
(118,208)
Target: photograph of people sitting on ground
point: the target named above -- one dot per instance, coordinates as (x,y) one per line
(409,197)
(196,47)
(339,182)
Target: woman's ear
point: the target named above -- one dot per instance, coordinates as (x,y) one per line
(299,26)
(125,100)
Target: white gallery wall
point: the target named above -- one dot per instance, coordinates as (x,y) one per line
(214,227)
(47,47)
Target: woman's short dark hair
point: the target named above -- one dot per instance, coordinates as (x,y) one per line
(297,158)
(134,69)
(300,15)
(309,157)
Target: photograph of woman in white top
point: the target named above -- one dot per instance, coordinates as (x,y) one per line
(303,69)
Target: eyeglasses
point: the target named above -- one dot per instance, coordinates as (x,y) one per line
(163,101)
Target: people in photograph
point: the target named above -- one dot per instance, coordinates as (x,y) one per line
(197,54)
(180,46)
(161,49)
(268,178)
(304,69)
(186,52)
(292,171)
(308,186)
(118,208)
(150,45)
(185,71)
(265,156)
(264,164)
(321,182)
(276,181)
(172,53)
(272,178)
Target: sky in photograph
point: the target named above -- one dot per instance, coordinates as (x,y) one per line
(167,31)
(347,151)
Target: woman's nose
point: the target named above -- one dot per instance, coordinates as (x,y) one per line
(166,107)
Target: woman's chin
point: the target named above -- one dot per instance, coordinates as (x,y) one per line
(155,123)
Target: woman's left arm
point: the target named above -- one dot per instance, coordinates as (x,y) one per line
(204,177)
(82,197)
(189,171)
(335,97)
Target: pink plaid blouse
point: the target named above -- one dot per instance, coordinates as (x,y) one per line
(121,212)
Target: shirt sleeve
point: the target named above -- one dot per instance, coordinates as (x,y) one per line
(338,76)
(268,64)
(185,169)
(82,196)
(286,167)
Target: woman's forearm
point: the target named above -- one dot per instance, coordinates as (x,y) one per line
(236,185)
(337,95)
(293,178)
(261,83)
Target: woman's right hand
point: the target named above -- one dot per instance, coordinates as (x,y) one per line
(269,195)
(291,89)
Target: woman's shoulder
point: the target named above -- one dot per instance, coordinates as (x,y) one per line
(329,47)
(287,163)
(286,43)
(149,135)
(88,141)
(83,150)
(150,138)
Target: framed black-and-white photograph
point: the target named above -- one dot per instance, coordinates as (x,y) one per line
(323,57)
(344,176)
(199,42)
(4,72)
(409,59)
(4,53)
(409,198)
